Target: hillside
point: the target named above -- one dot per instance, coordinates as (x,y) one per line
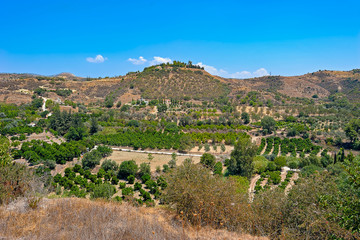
(84,219)
(176,83)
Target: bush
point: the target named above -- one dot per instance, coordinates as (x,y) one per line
(310,170)
(77,168)
(242,183)
(122,185)
(128,191)
(144,169)
(108,164)
(260,164)
(91,159)
(15,180)
(104,150)
(271,166)
(275,177)
(137,186)
(114,180)
(208,160)
(131,179)
(218,168)
(280,161)
(105,191)
(293,165)
(127,168)
(165,168)
(190,183)
(145,178)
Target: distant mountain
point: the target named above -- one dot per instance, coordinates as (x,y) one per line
(173,82)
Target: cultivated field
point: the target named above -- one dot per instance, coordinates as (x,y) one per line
(159,159)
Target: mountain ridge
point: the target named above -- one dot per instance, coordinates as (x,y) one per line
(169,82)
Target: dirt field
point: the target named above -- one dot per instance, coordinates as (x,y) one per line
(159,160)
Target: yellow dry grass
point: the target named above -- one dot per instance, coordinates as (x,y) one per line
(72,218)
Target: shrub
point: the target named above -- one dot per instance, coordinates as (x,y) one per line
(104,150)
(127,168)
(195,193)
(117,199)
(218,168)
(275,177)
(144,169)
(137,186)
(271,166)
(293,165)
(242,183)
(108,164)
(280,161)
(207,160)
(165,168)
(260,164)
(114,180)
(101,173)
(105,191)
(145,178)
(122,185)
(310,170)
(128,191)
(131,179)
(91,159)
(15,180)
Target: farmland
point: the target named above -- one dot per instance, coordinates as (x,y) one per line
(192,154)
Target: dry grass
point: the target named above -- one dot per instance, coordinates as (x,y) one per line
(159,160)
(73,218)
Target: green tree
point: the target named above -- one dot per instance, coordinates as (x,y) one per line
(186,143)
(91,159)
(172,162)
(144,169)
(268,124)
(109,165)
(127,168)
(218,168)
(245,117)
(208,160)
(109,101)
(241,161)
(94,126)
(352,130)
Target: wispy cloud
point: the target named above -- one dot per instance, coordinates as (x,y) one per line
(97,59)
(243,74)
(138,61)
(156,60)
(159,60)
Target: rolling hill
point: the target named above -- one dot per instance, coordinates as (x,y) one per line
(177,83)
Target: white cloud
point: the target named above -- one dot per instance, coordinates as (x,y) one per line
(139,61)
(261,72)
(160,60)
(243,74)
(209,69)
(97,59)
(155,61)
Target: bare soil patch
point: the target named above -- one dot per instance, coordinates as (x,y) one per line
(159,160)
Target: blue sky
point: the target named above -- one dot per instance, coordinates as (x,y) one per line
(229,38)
